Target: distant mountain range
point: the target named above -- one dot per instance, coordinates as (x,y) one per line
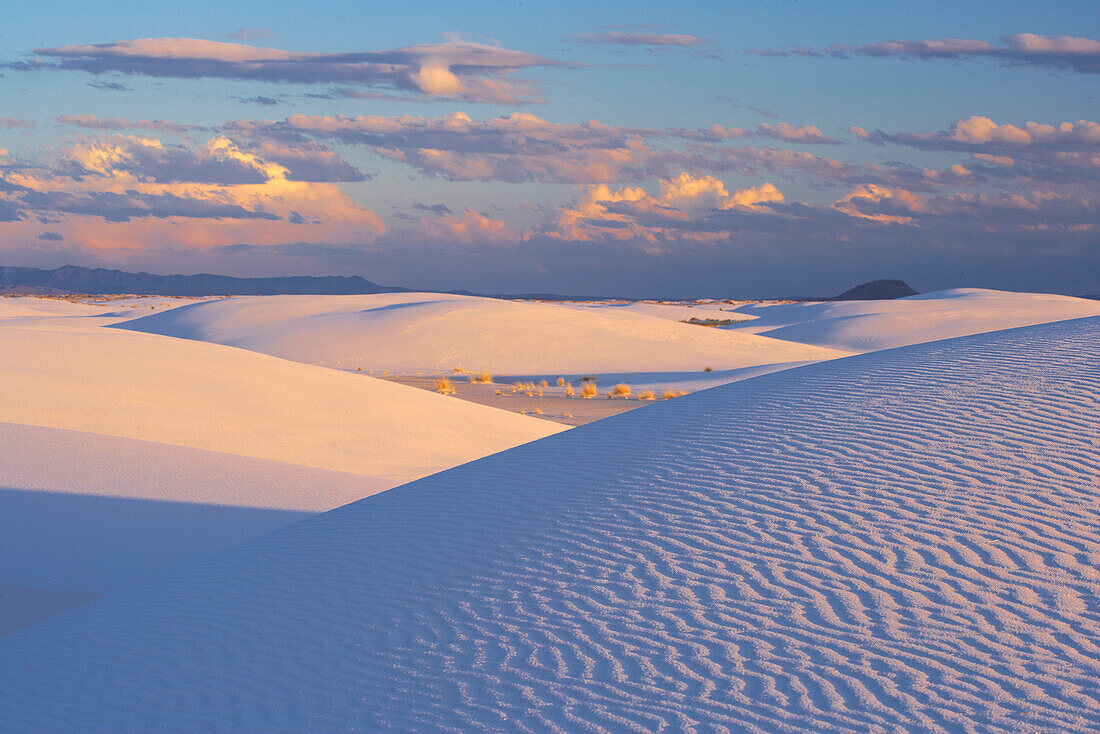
(74,279)
(99,281)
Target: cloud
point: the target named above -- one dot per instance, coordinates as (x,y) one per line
(631,213)
(763,111)
(10,123)
(880,204)
(628,38)
(109,86)
(249,34)
(519,147)
(132,192)
(433,208)
(457,69)
(50,237)
(218,161)
(260,100)
(807,134)
(122,207)
(523,148)
(1068,151)
(117,123)
(471,228)
(1067,53)
(983,134)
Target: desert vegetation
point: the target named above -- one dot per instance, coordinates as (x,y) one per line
(622,390)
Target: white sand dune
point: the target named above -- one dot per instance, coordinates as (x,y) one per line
(61,373)
(432,331)
(126,455)
(864,326)
(900,541)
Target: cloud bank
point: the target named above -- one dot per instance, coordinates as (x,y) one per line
(456,69)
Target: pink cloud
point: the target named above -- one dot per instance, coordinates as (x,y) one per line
(454,68)
(1068,53)
(628,38)
(127,192)
(471,228)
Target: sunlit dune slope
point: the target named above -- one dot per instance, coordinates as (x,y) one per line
(864,326)
(432,331)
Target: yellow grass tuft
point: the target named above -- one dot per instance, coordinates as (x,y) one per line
(568,390)
(544,383)
(646,395)
(589,390)
(561,382)
(622,390)
(482,377)
(538,411)
(671,393)
(443,386)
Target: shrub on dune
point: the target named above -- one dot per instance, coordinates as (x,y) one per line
(443,386)
(482,377)
(672,393)
(622,390)
(589,390)
(561,382)
(646,395)
(568,390)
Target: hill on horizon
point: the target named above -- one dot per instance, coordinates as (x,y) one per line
(77,279)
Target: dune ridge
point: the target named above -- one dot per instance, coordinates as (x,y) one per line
(434,331)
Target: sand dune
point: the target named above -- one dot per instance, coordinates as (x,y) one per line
(906,540)
(431,331)
(70,373)
(126,455)
(864,326)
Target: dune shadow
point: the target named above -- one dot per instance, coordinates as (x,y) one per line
(93,545)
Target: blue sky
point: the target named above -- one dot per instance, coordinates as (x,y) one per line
(678,191)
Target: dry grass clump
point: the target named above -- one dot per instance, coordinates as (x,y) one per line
(671,393)
(459,370)
(708,369)
(561,382)
(443,386)
(538,411)
(483,378)
(622,390)
(544,383)
(589,390)
(568,390)
(646,395)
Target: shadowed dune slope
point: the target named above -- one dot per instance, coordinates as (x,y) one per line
(902,540)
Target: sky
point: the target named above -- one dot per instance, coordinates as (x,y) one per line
(629,149)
